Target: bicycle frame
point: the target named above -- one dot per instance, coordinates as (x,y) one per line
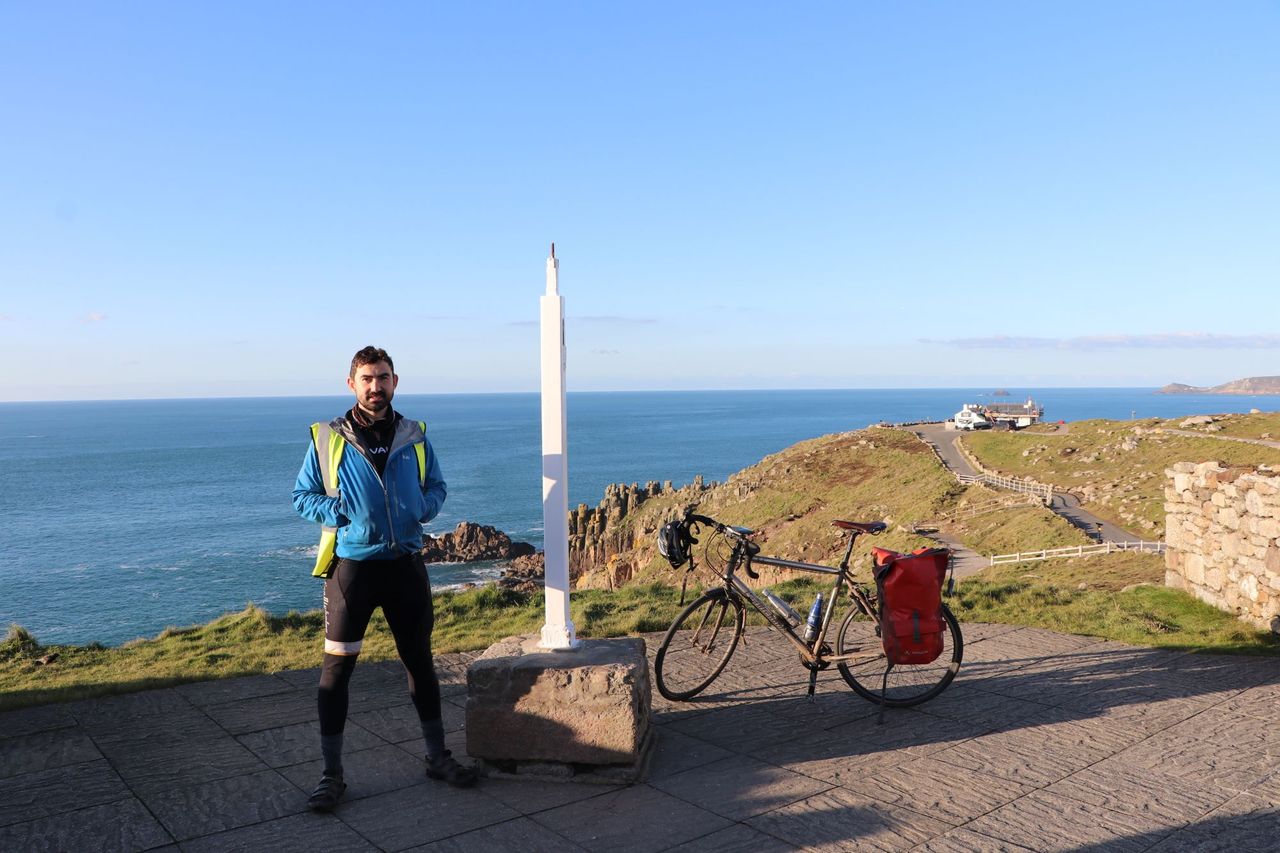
(812,655)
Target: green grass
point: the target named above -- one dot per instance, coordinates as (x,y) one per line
(1089,597)
(1051,596)
(1264,425)
(253,642)
(1121,484)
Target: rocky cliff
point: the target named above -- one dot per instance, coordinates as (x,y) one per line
(470,542)
(599,536)
(603,539)
(1252,385)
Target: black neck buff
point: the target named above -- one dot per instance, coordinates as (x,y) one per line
(375,435)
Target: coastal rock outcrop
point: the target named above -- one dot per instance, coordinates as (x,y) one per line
(603,539)
(600,535)
(1251,385)
(469,542)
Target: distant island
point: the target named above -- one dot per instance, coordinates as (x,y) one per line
(1252,385)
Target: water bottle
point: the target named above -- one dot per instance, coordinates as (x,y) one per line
(815,620)
(786,611)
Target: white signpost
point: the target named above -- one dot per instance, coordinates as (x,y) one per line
(558,632)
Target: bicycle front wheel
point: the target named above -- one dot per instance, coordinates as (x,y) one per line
(907,684)
(698,645)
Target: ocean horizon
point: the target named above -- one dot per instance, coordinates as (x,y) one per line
(124,517)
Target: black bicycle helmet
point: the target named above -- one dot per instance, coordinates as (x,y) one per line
(673,543)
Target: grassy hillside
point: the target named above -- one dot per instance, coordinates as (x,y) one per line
(1264,425)
(1117,467)
(791,498)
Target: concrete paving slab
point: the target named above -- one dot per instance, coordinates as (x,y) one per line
(1269,788)
(1116,786)
(981,709)
(529,798)
(740,787)
(205,693)
(967,841)
(400,722)
(1048,822)
(29,796)
(368,772)
(738,838)
(520,834)
(208,807)
(111,713)
(183,724)
(1244,824)
(840,819)
(301,741)
(674,752)
(739,727)
(45,750)
(1138,748)
(310,832)
(639,819)
(939,790)
(162,764)
(1035,755)
(1200,762)
(426,812)
(122,826)
(29,721)
(265,712)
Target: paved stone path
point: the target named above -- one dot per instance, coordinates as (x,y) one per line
(1045,742)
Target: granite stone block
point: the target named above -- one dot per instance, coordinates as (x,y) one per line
(588,706)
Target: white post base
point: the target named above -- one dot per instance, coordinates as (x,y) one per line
(558,638)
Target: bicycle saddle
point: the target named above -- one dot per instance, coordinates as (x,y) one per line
(863,526)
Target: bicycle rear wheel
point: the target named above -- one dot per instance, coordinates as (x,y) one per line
(698,645)
(907,684)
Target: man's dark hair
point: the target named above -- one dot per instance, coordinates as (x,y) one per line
(371,355)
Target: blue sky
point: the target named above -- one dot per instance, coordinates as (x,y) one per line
(229,199)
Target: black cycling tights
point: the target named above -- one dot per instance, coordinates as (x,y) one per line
(401,588)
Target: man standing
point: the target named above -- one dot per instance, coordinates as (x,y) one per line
(371,478)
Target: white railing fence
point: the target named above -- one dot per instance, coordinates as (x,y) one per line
(1077,551)
(1044,491)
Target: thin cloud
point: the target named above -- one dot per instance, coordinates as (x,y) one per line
(606,352)
(93,317)
(1172,340)
(6,318)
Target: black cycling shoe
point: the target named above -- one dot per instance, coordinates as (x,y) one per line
(444,768)
(326,795)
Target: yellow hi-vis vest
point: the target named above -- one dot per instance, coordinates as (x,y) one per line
(329,446)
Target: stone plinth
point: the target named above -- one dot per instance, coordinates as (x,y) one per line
(560,714)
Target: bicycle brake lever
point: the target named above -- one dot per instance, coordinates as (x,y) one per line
(751,573)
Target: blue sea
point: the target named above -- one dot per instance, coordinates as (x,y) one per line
(122,518)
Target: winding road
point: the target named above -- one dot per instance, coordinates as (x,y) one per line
(1063,503)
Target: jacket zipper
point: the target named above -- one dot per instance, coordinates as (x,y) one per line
(386,495)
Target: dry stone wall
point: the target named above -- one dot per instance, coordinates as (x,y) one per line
(1223,533)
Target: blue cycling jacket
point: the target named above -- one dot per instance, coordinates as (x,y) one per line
(378,518)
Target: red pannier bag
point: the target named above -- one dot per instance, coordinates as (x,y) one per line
(910,589)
